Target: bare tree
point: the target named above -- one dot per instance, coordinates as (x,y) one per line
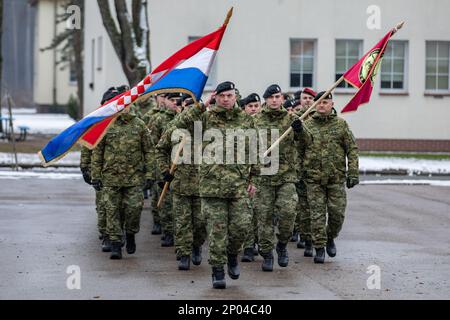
(131,39)
(71,51)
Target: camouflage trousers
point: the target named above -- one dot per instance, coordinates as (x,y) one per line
(303,218)
(101,213)
(326,200)
(165,213)
(228,221)
(190,226)
(154,202)
(280,201)
(252,232)
(122,200)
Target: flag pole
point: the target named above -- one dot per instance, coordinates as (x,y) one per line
(172,170)
(308,111)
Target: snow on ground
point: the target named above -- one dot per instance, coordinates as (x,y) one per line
(17,175)
(436,183)
(411,165)
(44,123)
(72,158)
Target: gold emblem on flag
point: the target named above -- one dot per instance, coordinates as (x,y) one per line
(366,66)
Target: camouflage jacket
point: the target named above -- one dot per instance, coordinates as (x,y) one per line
(157,125)
(301,148)
(186,181)
(143,106)
(85,158)
(287,166)
(120,159)
(329,143)
(221,180)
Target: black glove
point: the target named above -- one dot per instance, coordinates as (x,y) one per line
(297,125)
(352,181)
(97,184)
(161,184)
(167,176)
(86,175)
(148,184)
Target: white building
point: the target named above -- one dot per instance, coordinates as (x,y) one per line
(298,43)
(52,85)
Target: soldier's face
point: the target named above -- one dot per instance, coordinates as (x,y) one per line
(226,99)
(275,101)
(325,106)
(306,100)
(252,108)
(172,104)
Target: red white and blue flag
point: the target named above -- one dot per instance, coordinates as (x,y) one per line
(185,71)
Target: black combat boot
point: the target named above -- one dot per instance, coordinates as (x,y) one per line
(156,228)
(167,241)
(301,243)
(131,243)
(294,237)
(320,255)
(308,249)
(101,236)
(331,247)
(185,263)
(106,244)
(248,255)
(283,258)
(218,278)
(116,250)
(233,267)
(267,264)
(197,255)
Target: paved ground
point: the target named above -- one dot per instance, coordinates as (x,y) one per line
(48,225)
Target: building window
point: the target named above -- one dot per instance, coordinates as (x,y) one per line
(302,63)
(211,83)
(348,52)
(437,65)
(99,53)
(393,67)
(72,72)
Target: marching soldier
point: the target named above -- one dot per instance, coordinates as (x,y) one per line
(302,230)
(329,144)
(157,125)
(223,187)
(190,224)
(118,170)
(276,194)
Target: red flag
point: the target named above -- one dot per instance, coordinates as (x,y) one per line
(363,73)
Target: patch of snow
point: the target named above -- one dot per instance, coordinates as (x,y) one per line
(17,175)
(411,165)
(437,183)
(43,123)
(72,158)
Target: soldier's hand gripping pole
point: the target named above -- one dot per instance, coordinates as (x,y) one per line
(172,170)
(308,111)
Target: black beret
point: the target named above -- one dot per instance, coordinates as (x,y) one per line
(109,94)
(171,95)
(253,97)
(242,103)
(320,94)
(297,94)
(185,96)
(289,104)
(225,86)
(273,89)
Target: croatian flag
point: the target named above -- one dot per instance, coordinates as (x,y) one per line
(185,71)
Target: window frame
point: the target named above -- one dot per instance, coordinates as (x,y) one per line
(436,91)
(314,64)
(405,88)
(350,88)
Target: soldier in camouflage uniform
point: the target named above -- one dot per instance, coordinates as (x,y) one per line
(148,118)
(275,193)
(329,143)
(252,106)
(190,224)
(223,187)
(302,229)
(118,169)
(157,126)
